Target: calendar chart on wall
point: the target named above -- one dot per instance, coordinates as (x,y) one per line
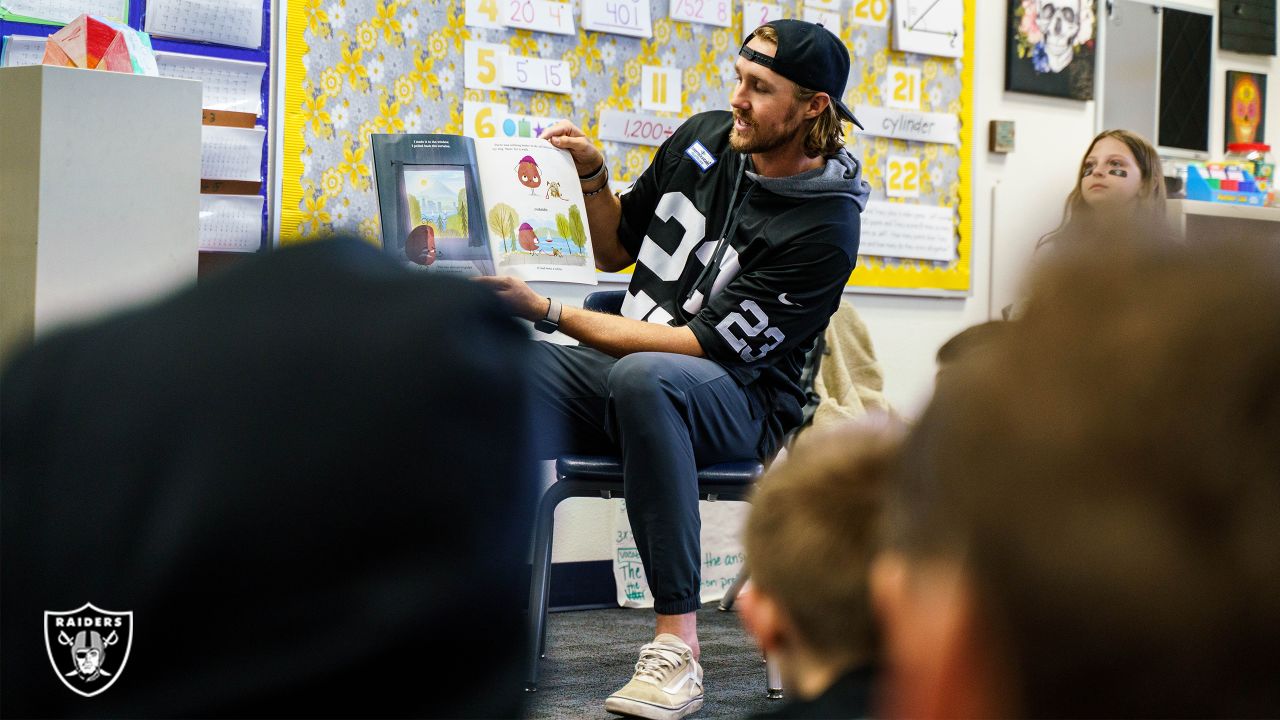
(628,73)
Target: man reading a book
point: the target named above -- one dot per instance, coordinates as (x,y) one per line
(743,232)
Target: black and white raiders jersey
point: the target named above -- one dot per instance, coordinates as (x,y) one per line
(774,281)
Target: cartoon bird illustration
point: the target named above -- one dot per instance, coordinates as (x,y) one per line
(528,238)
(527,171)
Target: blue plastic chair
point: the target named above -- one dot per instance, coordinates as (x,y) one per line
(597,476)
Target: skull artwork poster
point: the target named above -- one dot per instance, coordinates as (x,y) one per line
(1051,47)
(1059,21)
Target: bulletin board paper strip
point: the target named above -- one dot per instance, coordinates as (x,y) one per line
(909,230)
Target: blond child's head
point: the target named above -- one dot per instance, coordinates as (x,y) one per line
(809,542)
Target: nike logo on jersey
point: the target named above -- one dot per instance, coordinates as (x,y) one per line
(783,299)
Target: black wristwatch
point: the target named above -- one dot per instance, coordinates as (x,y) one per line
(551,322)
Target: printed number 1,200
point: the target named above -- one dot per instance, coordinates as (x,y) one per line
(646,129)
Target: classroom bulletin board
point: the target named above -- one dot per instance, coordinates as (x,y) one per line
(477,67)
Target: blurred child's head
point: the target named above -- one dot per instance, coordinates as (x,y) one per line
(969,342)
(809,542)
(1091,500)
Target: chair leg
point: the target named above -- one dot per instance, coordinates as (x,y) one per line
(773,675)
(539,586)
(731,595)
(546,587)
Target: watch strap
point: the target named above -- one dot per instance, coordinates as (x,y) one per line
(551,322)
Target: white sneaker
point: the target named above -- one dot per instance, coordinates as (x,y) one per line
(667,684)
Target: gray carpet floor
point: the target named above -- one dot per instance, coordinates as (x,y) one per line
(592,653)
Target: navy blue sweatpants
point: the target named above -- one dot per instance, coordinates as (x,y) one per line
(666,415)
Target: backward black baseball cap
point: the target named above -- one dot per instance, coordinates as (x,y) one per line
(810,56)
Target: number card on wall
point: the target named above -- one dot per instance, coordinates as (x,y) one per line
(547,16)
(481,65)
(533,73)
(620,17)
(636,128)
(902,88)
(660,88)
(826,18)
(482,14)
(479,119)
(487,120)
(903,177)
(707,12)
(755,14)
(871,12)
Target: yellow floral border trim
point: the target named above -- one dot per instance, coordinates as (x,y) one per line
(295,97)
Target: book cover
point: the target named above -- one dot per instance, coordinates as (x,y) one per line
(452,204)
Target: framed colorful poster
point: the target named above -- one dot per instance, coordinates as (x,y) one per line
(1246,107)
(1050,48)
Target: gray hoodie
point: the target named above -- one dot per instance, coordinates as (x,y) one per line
(841,175)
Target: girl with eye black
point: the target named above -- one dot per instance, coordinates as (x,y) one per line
(1121,184)
(1119,194)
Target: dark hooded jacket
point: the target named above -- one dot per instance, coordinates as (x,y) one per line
(755,266)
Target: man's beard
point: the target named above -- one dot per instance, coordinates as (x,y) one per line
(761,141)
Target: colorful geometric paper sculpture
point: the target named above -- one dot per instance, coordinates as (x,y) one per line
(93,43)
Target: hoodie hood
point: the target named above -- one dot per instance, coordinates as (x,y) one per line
(841,175)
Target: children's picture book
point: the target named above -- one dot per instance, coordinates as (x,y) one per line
(454,204)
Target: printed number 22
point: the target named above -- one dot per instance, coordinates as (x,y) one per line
(749,329)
